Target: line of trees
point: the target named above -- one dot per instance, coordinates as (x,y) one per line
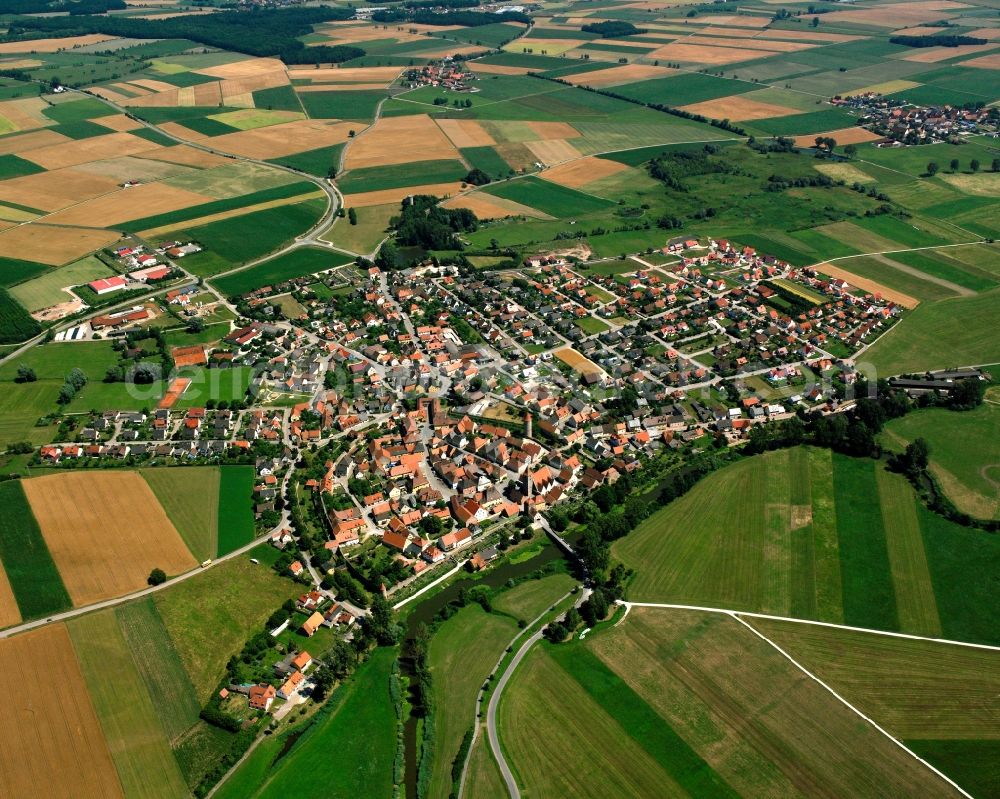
(936,40)
(260,32)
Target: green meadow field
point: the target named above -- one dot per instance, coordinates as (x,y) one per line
(815,535)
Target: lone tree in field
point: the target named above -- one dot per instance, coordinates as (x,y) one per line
(954,165)
(352,216)
(932,168)
(156,577)
(974,165)
(25,374)
(995,166)
(850,151)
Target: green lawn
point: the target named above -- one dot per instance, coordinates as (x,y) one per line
(128,716)
(461,655)
(547,197)
(359,731)
(965,452)
(31,572)
(159,666)
(364,237)
(297,263)
(802,533)
(938,335)
(529,599)
(209,617)
(190,496)
(231,242)
(417,173)
(591,325)
(235,511)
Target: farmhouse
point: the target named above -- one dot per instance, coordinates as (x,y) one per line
(262,697)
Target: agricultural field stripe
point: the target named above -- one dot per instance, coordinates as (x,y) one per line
(802,599)
(159,665)
(911,577)
(236,526)
(866,576)
(190,497)
(133,730)
(847,704)
(825,546)
(777,578)
(31,571)
(204,209)
(644,725)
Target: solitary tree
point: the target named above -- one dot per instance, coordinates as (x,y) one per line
(815,22)
(932,168)
(25,374)
(974,165)
(850,151)
(352,216)
(954,165)
(995,166)
(156,577)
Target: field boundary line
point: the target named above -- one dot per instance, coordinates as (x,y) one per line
(832,625)
(849,706)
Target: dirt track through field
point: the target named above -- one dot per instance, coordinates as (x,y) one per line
(106,532)
(51,743)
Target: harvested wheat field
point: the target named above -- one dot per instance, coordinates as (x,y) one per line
(582,171)
(137,202)
(186,156)
(811,35)
(119,123)
(615,76)
(30,141)
(248,68)
(705,54)
(776,45)
(853,135)
(465,132)
(52,245)
(931,55)
(51,191)
(286,139)
(399,140)
(380,75)
(383,196)
(52,45)
(106,532)
(991,61)
(52,744)
(553,151)
(575,360)
(738,109)
(83,150)
(24,114)
(10,614)
(870,286)
(486,207)
(554,130)
(901,14)
(737,21)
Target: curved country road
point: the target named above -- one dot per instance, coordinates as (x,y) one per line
(491,709)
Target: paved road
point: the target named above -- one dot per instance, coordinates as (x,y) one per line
(491,709)
(479,697)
